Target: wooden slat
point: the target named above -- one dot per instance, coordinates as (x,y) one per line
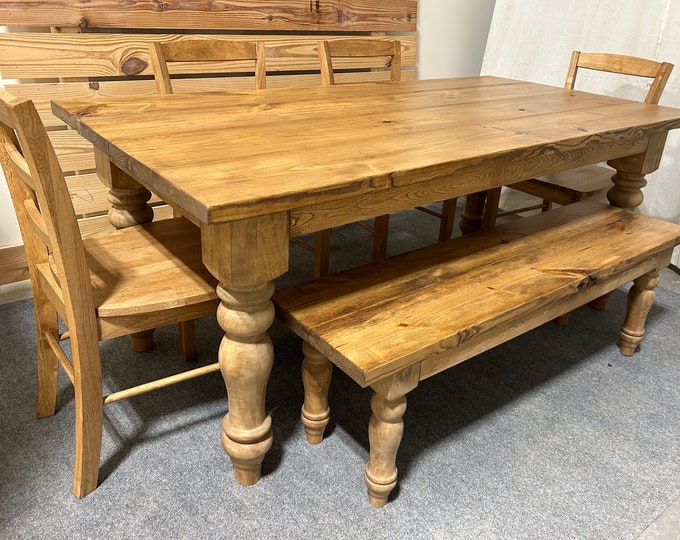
(44,66)
(13,264)
(74,152)
(267,15)
(35,55)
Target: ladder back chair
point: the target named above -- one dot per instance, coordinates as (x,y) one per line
(201,56)
(331,55)
(593,180)
(101,286)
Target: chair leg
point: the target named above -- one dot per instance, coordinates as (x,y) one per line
(47,327)
(187,341)
(563,320)
(316,378)
(322,252)
(87,384)
(385,429)
(493,196)
(142,341)
(601,302)
(640,300)
(381,225)
(448,216)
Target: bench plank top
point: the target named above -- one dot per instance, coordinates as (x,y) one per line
(378,319)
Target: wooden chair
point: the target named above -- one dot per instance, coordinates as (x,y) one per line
(102,286)
(205,52)
(333,55)
(571,186)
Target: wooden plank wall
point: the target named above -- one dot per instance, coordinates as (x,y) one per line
(61,48)
(266,15)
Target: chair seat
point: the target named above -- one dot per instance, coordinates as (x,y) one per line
(148,268)
(571,186)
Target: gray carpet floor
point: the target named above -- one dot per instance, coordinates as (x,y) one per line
(551,435)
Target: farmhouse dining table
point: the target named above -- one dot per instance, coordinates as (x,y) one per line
(255,168)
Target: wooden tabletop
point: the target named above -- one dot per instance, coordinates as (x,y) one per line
(225,156)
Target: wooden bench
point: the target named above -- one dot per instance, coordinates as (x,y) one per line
(390,324)
(58,48)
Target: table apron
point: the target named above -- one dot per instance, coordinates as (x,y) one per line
(441,183)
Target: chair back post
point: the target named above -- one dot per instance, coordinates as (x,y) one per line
(326,64)
(621,64)
(160,68)
(53,214)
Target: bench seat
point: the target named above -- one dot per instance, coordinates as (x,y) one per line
(393,323)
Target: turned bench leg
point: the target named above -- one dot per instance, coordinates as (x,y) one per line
(640,300)
(316,378)
(385,429)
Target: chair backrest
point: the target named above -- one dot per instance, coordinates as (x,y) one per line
(201,56)
(47,220)
(659,72)
(388,49)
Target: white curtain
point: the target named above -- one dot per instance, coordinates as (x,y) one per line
(533,39)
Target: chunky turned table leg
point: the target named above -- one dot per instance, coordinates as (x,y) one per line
(246,357)
(316,378)
(128,198)
(627,189)
(385,429)
(245,256)
(129,206)
(471,217)
(640,300)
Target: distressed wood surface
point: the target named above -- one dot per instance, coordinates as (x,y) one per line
(266,15)
(401,135)
(393,323)
(444,303)
(117,64)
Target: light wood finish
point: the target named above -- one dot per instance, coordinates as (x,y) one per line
(401,148)
(103,286)
(568,187)
(334,51)
(390,50)
(14,266)
(265,15)
(389,324)
(201,51)
(42,66)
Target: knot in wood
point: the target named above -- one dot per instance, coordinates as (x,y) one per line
(133,66)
